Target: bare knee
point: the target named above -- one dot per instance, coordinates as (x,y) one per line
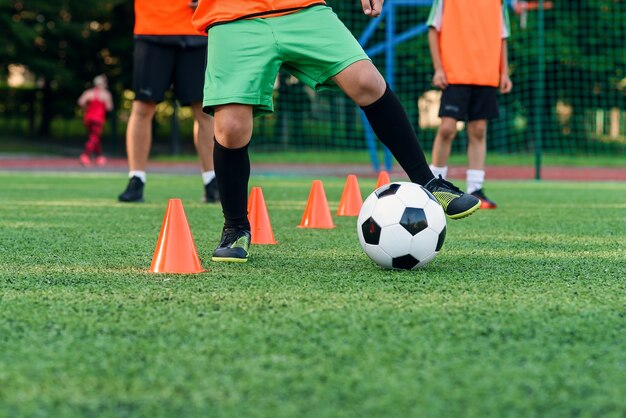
(447,130)
(233,125)
(143,110)
(199,114)
(477,131)
(203,119)
(362,82)
(230,129)
(368,89)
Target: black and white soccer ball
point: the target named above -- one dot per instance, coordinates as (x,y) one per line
(401,225)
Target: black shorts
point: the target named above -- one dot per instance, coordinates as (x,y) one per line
(467,102)
(158,66)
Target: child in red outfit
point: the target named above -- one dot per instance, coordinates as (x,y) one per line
(96,102)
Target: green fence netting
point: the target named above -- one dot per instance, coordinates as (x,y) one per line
(567,62)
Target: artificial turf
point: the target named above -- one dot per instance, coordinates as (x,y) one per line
(521,314)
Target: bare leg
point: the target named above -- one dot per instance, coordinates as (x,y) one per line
(443,142)
(362,82)
(477,144)
(203,136)
(476,155)
(139,134)
(233,125)
(138,143)
(233,129)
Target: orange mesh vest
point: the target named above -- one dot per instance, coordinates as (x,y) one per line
(471,41)
(163,17)
(211,12)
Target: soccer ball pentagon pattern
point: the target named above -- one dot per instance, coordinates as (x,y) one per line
(401,225)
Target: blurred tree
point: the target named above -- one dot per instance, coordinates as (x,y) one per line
(584,55)
(585,61)
(65,44)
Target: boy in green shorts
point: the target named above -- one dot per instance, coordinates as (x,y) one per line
(248,43)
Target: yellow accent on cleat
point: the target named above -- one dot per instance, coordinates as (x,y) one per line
(230,259)
(466,213)
(444,198)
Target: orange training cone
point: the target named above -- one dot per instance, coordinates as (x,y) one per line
(260,226)
(351,199)
(175,250)
(317,212)
(383,178)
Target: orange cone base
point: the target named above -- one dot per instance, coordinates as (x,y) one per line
(175,250)
(260,226)
(351,199)
(317,213)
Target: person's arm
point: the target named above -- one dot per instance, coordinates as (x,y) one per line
(435,23)
(505,81)
(108,101)
(84,98)
(372,8)
(439,79)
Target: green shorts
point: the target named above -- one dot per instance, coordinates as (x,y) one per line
(245,56)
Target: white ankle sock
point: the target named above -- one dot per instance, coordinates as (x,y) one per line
(439,171)
(138,173)
(475,180)
(207,176)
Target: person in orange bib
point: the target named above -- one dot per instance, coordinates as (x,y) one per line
(249,42)
(468,46)
(96,102)
(168,52)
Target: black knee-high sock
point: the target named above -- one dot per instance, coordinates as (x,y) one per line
(391,125)
(232,172)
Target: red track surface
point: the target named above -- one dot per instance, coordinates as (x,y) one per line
(52,164)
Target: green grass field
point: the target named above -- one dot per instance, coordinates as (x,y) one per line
(521,315)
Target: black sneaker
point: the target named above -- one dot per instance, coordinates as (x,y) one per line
(234,246)
(485,202)
(133,192)
(455,203)
(211,193)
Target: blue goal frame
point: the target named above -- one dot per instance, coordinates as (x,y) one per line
(388,47)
